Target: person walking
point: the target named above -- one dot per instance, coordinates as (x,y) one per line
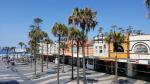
(8,62)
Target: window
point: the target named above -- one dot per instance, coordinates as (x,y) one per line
(118,47)
(104,46)
(100,47)
(100,51)
(140,48)
(90,61)
(74,50)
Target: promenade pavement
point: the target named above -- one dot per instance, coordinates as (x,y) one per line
(24,75)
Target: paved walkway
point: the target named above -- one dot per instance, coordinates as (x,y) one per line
(49,76)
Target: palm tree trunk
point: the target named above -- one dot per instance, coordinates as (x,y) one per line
(72,59)
(84,64)
(17,56)
(116,68)
(47,56)
(41,63)
(109,49)
(31,59)
(106,66)
(42,60)
(50,48)
(58,65)
(35,58)
(13,56)
(78,62)
(35,64)
(83,54)
(63,62)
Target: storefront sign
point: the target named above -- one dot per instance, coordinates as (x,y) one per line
(133,61)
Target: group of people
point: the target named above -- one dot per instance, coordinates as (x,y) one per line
(10,63)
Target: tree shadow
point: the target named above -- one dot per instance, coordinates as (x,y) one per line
(56,67)
(71,69)
(10,82)
(51,72)
(87,73)
(91,80)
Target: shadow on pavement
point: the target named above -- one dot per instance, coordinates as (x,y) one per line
(51,72)
(10,82)
(71,69)
(87,73)
(92,80)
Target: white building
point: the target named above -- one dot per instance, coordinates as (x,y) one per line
(52,48)
(140,48)
(100,47)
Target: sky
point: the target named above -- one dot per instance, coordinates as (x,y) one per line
(17,15)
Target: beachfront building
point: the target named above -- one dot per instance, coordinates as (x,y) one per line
(100,51)
(133,55)
(88,54)
(139,58)
(20,52)
(100,47)
(133,58)
(49,50)
(105,56)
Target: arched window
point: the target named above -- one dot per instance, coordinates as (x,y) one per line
(118,47)
(140,48)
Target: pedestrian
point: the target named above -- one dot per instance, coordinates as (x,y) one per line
(8,62)
(13,66)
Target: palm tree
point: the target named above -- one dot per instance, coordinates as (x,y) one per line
(75,36)
(37,22)
(32,49)
(28,50)
(42,41)
(63,46)
(147,2)
(129,30)
(48,41)
(35,35)
(6,49)
(86,20)
(59,30)
(108,40)
(139,32)
(116,38)
(21,44)
(13,50)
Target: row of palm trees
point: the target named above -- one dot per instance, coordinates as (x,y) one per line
(8,50)
(82,21)
(36,36)
(12,49)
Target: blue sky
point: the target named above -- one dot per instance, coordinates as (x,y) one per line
(17,15)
